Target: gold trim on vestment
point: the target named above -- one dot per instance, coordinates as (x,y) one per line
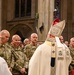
(53,54)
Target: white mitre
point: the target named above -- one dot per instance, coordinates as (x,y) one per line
(57,28)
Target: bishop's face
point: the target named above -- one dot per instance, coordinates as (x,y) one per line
(61,39)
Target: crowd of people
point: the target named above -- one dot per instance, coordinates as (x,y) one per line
(17,54)
(53,56)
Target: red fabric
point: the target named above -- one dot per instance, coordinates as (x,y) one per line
(72,72)
(56,21)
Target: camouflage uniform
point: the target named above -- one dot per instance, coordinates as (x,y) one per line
(72,55)
(6,53)
(20,61)
(29,50)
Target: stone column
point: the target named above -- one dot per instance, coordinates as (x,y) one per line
(46,18)
(40,20)
(64,7)
(51,12)
(4,14)
(33,9)
(45,10)
(10,10)
(69,19)
(0,14)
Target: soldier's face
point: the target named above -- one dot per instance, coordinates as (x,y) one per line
(34,38)
(61,39)
(26,42)
(4,38)
(0,38)
(72,42)
(67,43)
(16,42)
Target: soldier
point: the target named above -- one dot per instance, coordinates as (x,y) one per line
(51,58)
(5,48)
(30,48)
(19,56)
(67,43)
(0,38)
(5,37)
(71,47)
(26,41)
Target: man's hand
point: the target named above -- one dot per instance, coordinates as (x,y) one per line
(22,70)
(10,69)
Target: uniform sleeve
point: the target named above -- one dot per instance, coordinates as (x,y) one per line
(25,61)
(12,60)
(18,65)
(34,64)
(27,51)
(16,61)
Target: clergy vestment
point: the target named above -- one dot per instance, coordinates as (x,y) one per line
(40,63)
(4,70)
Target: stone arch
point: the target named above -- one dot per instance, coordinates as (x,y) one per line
(24,31)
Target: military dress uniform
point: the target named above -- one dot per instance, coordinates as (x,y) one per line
(6,53)
(19,61)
